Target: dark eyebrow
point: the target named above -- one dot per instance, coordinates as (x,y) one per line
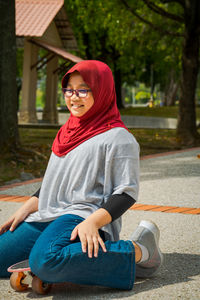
(84,85)
(81,85)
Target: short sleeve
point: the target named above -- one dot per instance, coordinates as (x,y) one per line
(122,167)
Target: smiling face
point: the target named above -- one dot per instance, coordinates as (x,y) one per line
(76,105)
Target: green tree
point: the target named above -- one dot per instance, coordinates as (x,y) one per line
(138,36)
(8,86)
(95,41)
(106,31)
(177,18)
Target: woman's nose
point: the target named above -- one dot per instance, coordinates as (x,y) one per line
(74,97)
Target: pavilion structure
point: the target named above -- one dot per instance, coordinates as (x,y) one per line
(43,23)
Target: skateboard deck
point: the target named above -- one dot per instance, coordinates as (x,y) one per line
(20,267)
(22,278)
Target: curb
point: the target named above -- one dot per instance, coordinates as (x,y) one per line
(144,207)
(166,209)
(5,187)
(169,153)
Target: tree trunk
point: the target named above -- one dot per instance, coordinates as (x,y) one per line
(171,90)
(118,85)
(8,86)
(86,40)
(187,129)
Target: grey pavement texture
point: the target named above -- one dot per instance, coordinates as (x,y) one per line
(165,180)
(130,121)
(149,122)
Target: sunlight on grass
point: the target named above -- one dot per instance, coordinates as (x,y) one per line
(162,112)
(35,150)
(33,155)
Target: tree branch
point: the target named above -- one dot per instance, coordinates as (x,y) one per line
(165,32)
(181,2)
(163,12)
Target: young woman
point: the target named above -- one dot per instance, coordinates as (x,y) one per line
(70,228)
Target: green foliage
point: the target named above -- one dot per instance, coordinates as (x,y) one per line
(160,112)
(108,31)
(20,55)
(142,97)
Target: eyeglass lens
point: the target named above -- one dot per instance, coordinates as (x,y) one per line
(79,93)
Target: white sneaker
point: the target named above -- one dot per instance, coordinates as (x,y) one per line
(147,234)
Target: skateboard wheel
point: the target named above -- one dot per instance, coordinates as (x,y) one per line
(16,281)
(40,287)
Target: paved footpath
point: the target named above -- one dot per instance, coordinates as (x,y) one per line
(170,196)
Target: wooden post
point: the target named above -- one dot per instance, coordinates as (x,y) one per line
(27,113)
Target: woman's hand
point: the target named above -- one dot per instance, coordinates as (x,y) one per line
(20,215)
(13,221)
(89,237)
(88,232)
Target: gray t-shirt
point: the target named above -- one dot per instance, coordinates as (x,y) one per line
(81,181)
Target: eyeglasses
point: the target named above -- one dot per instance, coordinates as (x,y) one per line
(81,93)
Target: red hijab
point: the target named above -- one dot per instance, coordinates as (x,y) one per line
(102,116)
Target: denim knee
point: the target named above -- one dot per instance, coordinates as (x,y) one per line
(41,262)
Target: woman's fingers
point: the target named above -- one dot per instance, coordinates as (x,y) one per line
(18,217)
(74,234)
(101,242)
(89,238)
(2,229)
(96,246)
(83,243)
(87,244)
(5,226)
(90,245)
(14,224)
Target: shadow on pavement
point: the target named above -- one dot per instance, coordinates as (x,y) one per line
(177,268)
(169,167)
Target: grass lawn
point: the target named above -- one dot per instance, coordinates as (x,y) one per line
(164,112)
(31,158)
(36,149)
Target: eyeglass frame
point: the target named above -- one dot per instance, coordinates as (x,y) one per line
(76,91)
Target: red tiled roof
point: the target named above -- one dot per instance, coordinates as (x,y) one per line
(34,16)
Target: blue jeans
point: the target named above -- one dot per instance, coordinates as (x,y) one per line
(54,258)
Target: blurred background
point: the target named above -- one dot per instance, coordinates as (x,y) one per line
(152,48)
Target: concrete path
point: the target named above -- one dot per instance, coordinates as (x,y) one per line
(169,182)
(129,121)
